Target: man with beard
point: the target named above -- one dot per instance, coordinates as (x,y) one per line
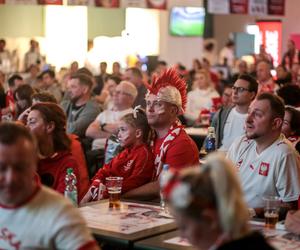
(80,109)
(267,163)
(165,100)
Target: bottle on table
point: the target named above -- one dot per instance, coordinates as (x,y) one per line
(163,181)
(71,188)
(210,141)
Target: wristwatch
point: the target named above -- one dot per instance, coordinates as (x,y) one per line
(102,126)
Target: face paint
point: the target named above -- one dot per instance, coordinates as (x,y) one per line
(126,134)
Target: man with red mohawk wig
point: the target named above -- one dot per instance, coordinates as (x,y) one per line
(165,100)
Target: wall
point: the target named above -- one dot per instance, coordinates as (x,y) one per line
(21,21)
(105,22)
(225,24)
(178,49)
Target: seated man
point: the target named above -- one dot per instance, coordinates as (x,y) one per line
(229,122)
(165,100)
(267,163)
(80,110)
(33,216)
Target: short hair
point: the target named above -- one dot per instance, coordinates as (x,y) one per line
(84,71)
(51,112)
(44,97)
(163,63)
(2,41)
(136,72)
(50,72)
(103,63)
(138,119)
(11,132)
(295,119)
(116,79)
(253,84)
(276,104)
(24,92)
(130,88)
(290,94)
(11,80)
(215,185)
(84,79)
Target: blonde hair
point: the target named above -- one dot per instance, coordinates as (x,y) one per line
(215,185)
(207,77)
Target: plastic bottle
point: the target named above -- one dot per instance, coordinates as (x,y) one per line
(162,180)
(210,141)
(71,189)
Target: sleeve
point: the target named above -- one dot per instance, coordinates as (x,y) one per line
(80,125)
(70,230)
(190,112)
(142,171)
(288,179)
(102,173)
(182,154)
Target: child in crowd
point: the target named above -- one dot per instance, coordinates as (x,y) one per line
(135,163)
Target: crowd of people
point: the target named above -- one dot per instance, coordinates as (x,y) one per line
(49,125)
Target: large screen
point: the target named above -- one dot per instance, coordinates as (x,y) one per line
(187,21)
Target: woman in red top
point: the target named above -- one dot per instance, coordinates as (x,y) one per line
(135,163)
(47,122)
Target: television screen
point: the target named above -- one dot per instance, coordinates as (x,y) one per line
(187,21)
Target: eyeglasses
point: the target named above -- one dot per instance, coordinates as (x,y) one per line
(239,89)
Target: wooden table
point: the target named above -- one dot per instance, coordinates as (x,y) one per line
(134,221)
(158,243)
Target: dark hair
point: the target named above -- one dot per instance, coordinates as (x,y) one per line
(11,80)
(2,41)
(24,92)
(84,79)
(140,122)
(253,84)
(103,63)
(50,72)
(51,112)
(116,79)
(163,63)
(295,119)
(290,94)
(276,104)
(44,97)
(136,71)
(84,71)
(10,133)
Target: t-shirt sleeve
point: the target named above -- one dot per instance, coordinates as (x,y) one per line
(288,179)
(70,230)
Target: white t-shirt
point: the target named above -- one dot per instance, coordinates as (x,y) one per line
(234,128)
(47,221)
(108,116)
(273,172)
(198,99)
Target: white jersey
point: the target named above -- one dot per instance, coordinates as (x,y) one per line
(234,127)
(46,221)
(273,172)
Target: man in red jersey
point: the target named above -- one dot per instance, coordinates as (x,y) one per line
(165,100)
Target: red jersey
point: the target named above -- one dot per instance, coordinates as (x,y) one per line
(53,170)
(135,164)
(181,152)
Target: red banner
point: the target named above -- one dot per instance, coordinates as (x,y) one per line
(50,2)
(276,7)
(271,37)
(107,3)
(239,6)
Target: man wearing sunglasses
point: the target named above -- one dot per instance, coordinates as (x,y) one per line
(229,121)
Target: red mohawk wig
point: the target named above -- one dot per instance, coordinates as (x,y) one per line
(170,78)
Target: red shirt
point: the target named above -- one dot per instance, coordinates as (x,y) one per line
(134,164)
(53,170)
(182,151)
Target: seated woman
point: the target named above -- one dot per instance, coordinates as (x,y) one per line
(201,97)
(209,209)
(47,122)
(291,126)
(135,163)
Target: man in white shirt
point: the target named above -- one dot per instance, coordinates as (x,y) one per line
(106,123)
(33,216)
(229,122)
(267,163)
